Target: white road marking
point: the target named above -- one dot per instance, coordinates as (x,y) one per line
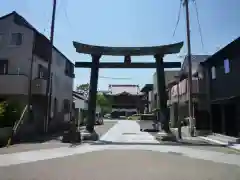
(117,133)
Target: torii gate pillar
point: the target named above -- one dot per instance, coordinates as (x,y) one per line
(91,113)
(162,95)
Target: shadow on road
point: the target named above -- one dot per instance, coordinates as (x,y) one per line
(164,143)
(39,138)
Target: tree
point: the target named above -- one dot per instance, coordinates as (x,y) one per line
(9,113)
(102,100)
(84,88)
(104,103)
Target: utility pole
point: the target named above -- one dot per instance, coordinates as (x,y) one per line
(48,89)
(190,102)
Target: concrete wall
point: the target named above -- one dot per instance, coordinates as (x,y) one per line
(81,104)
(18,56)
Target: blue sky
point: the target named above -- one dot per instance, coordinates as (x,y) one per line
(129,23)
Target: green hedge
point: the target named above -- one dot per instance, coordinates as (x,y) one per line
(9,113)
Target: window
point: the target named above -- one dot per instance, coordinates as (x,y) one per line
(16,39)
(42,72)
(66,106)
(1,38)
(213,70)
(3,66)
(69,69)
(226,66)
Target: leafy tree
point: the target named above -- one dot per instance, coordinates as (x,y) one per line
(84,88)
(102,100)
(9,113)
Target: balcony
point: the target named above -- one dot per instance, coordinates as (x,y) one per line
(39,86)
(183,91)
(13,84)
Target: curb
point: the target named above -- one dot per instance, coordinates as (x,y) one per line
(234,147)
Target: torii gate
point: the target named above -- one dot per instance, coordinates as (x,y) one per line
(97,51)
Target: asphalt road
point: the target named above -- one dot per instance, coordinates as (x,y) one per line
(129,155)
(121,165)
(102,129)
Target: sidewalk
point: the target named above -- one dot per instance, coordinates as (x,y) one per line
(211,138)
(221,140)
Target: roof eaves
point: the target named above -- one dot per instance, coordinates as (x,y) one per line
(226,48)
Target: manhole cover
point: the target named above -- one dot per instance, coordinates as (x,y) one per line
(129,133)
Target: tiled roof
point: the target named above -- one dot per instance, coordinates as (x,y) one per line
(80,95)
(147,88)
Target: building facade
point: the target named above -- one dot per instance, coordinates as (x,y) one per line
(126,100)
(221,72)
(169,76)
(20,45)
(80,107)
(179,95)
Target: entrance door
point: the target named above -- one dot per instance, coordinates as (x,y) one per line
(216,118)
(230,119)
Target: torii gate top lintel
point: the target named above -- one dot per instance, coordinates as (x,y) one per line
(127,51)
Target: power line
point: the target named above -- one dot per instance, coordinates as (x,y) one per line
(178,19)
(66,14)
(199,26)
(104,77)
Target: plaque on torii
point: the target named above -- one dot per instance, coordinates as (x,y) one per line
(157,51)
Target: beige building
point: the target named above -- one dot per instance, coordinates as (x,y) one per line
(20,42)
(169,76)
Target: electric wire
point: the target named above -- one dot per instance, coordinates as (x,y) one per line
(178,18)
(199,25)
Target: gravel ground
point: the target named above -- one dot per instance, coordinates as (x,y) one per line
(119,165)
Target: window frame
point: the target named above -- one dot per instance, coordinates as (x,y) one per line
(213,77)
(10,42)
(5,63)
(226,71)
(1,37)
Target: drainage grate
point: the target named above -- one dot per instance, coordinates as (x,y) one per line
(129,133)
